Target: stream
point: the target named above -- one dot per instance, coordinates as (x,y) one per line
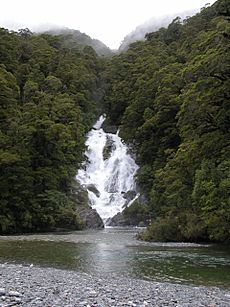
(116,251)
(108,175)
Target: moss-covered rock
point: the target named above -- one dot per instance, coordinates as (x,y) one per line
(134,215)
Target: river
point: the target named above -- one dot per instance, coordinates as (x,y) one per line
(108,176)
(116,251)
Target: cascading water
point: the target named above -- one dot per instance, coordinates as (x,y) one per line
(109,172)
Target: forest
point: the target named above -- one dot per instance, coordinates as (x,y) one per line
(169,95)
(48,95)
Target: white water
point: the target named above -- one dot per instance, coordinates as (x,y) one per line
(112,177)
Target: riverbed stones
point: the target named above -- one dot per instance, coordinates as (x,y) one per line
(35,287)
(14,293)
(2,291)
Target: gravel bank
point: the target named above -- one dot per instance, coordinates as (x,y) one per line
(43,287)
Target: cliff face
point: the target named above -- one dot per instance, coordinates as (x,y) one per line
(89,217)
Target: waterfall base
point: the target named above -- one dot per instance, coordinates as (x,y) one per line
(108,175)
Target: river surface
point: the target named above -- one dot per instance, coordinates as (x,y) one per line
(116,251)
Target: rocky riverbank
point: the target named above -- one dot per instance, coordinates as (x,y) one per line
(47,287)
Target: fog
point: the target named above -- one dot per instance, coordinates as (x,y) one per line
(152,25)
(107,20)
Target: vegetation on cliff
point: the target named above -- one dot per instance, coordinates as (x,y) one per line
(170,96)
(48,94)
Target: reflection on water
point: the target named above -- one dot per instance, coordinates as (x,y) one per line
(116,251)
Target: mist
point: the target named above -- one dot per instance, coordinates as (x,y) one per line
(152,25)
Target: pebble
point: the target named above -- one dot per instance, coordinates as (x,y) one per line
(31,286)
(14,293)
(2,291)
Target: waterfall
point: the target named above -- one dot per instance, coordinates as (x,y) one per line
(108,173)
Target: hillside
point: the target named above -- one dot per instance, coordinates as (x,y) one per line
(77,39)
(152,25)
(170,97)
(48,97)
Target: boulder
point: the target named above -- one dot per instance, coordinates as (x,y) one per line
(122,220)
(109,128)
(108,148)
(128,196)
(134,215)
(91,187)
(117,220)
(90,217)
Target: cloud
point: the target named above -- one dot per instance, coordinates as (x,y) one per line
(107,20)
(152,25)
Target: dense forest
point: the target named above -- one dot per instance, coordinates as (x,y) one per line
(76,39)
(48,96)
(169,95)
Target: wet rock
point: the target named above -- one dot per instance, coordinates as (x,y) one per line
(108,148)
(117,220)
(129,195)
(108,128)
(121,220)
(2,291)
(91,187)
(90,217)
(134,215)
(14,293)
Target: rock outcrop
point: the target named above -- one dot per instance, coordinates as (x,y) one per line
(134,215)
(109,128)
(117,220)
(108,148)
(89,217)
(91,187)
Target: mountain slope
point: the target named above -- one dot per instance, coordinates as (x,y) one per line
(76,39)
(170,97)
(48,102)
(152,25)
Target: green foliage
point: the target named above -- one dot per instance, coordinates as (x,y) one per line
(164,229)
(170,97)
(74,39)
(136,214)
(211,195)
(47,97)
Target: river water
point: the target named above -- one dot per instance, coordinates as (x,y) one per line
(108,176)
(116,251)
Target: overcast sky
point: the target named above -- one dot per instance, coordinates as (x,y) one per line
(107,20)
